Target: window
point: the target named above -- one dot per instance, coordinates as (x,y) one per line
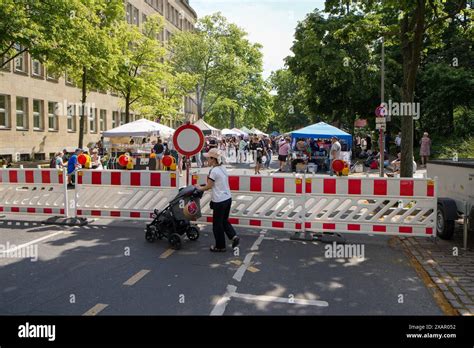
(52,116)
(4,111)
(103,120)
(129,13)
(93,120)
(21,113)
(143,19)
(168,11)
(20,65)
(36,68)
(52,76)
(24,157)
(123,118)
(115,116)
(71,118)
(37,114)
(136,17)
(39,156)
(69,80)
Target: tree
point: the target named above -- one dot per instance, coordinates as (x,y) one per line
(218,61)
(36,27)
(88,51)
(410,25)
(139,65)
(338,65)
(289,102)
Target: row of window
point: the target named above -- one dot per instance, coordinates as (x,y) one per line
(97,118)
(173,15)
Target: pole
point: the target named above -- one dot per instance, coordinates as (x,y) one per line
(382,97)
(187,170)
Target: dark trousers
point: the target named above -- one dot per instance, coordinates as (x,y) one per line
(221,224)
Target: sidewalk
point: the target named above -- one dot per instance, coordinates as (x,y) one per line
(453,275)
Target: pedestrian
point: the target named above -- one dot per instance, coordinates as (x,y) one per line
(158,150)
(221,202)
(72,166)
(425,149)
(257,150)
(283,151)
(368,141)
(334,153)
(96,160)
(398,142)
(269,153)
(59,160)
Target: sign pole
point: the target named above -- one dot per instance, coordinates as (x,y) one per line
(187,169)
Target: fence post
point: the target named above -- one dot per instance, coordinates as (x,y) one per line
(66,199)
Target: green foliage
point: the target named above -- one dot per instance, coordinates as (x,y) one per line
(447,148)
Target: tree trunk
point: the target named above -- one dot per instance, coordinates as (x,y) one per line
(82,116)
(127,108)
(232,118)
(199,103)
(411,30)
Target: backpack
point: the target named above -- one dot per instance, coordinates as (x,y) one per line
(52,163)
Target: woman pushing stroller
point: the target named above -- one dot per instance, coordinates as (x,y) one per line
(221,201)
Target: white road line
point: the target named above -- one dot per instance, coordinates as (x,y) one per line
(248,258)
(134,279)
(258,241)
(220,306)
(265,298)
(32,242)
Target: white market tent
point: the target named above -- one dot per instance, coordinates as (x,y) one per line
(257,132)
(140,128)
(207,129)
(240,132)
(226,131)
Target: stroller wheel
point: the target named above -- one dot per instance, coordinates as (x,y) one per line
(175,241)
(150,236)
(193,233)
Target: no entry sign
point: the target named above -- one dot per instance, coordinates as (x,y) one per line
(188,140)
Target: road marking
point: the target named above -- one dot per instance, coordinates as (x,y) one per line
(221,304)
(134,279)
(96,309)
(167,253)
(236,262)
(253,269)
(248,258)
(11,250)
(266,298)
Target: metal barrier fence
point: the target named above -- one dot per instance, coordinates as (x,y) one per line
(364,205)
(391,206)
(123,194)
(33,191)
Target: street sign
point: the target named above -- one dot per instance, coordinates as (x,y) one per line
(380,111)
(380,123)
(188,140)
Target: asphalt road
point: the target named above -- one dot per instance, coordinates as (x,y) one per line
(107,268)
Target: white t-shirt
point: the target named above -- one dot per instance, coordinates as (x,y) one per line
(220,191)
(336,147)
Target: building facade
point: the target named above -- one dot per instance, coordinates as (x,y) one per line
(39,113)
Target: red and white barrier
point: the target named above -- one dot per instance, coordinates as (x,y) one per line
(365,205)
(33,192)
(119,194)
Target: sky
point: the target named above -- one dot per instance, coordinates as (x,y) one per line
(271,23)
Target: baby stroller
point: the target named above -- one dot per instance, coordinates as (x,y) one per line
(174,221)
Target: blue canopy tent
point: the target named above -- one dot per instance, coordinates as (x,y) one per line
(322,130)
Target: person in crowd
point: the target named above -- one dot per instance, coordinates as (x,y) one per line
(158,150)
(425,149)
(396,163)
(334,153)
(283,151)
(368,141)
(388,140)
(221,202)
(257,149)
(301,145)
(58,160)
(398,142)
(96,160)
(269,152)
(242,157)
(65,155)
(72,166)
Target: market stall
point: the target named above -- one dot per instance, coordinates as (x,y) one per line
(136,139)
(207,129)
(311,146)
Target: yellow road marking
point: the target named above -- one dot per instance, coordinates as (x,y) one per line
(134,279)
(96,309)
(167,253)
(253,269)
(236,262)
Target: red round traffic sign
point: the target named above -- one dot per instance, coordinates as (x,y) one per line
(380,111)
(188,140)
